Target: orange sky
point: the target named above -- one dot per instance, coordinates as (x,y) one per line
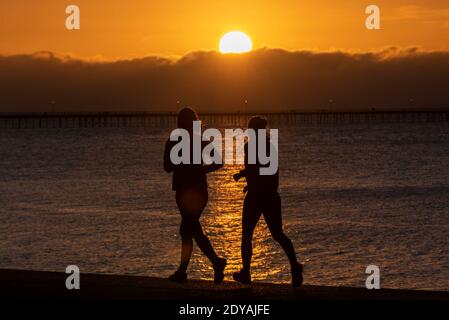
(123,29)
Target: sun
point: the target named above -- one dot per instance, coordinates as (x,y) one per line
(235,42)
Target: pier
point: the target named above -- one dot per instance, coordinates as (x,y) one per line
(161,120)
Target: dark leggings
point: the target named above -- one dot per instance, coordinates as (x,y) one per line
(270,206)
(191,203)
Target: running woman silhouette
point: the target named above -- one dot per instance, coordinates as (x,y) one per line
(262,197)
(190,183)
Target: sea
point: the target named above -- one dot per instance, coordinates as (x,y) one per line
(353,196)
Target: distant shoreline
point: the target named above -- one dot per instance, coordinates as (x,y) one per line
(22,284)
(173,113)
(144,119)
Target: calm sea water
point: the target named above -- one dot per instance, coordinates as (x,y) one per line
(353,195)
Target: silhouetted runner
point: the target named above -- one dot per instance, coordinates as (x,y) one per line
(262,198)
(190,184)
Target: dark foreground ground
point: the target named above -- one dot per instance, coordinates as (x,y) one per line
(17,284)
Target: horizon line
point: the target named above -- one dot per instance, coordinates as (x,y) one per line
(385,51)
(207,113)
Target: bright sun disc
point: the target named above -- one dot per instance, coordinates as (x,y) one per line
(235,42)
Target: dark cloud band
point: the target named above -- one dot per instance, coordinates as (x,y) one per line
(264,80)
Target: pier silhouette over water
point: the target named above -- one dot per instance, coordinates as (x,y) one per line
(143,119)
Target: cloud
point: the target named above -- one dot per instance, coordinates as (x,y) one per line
(269,79)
